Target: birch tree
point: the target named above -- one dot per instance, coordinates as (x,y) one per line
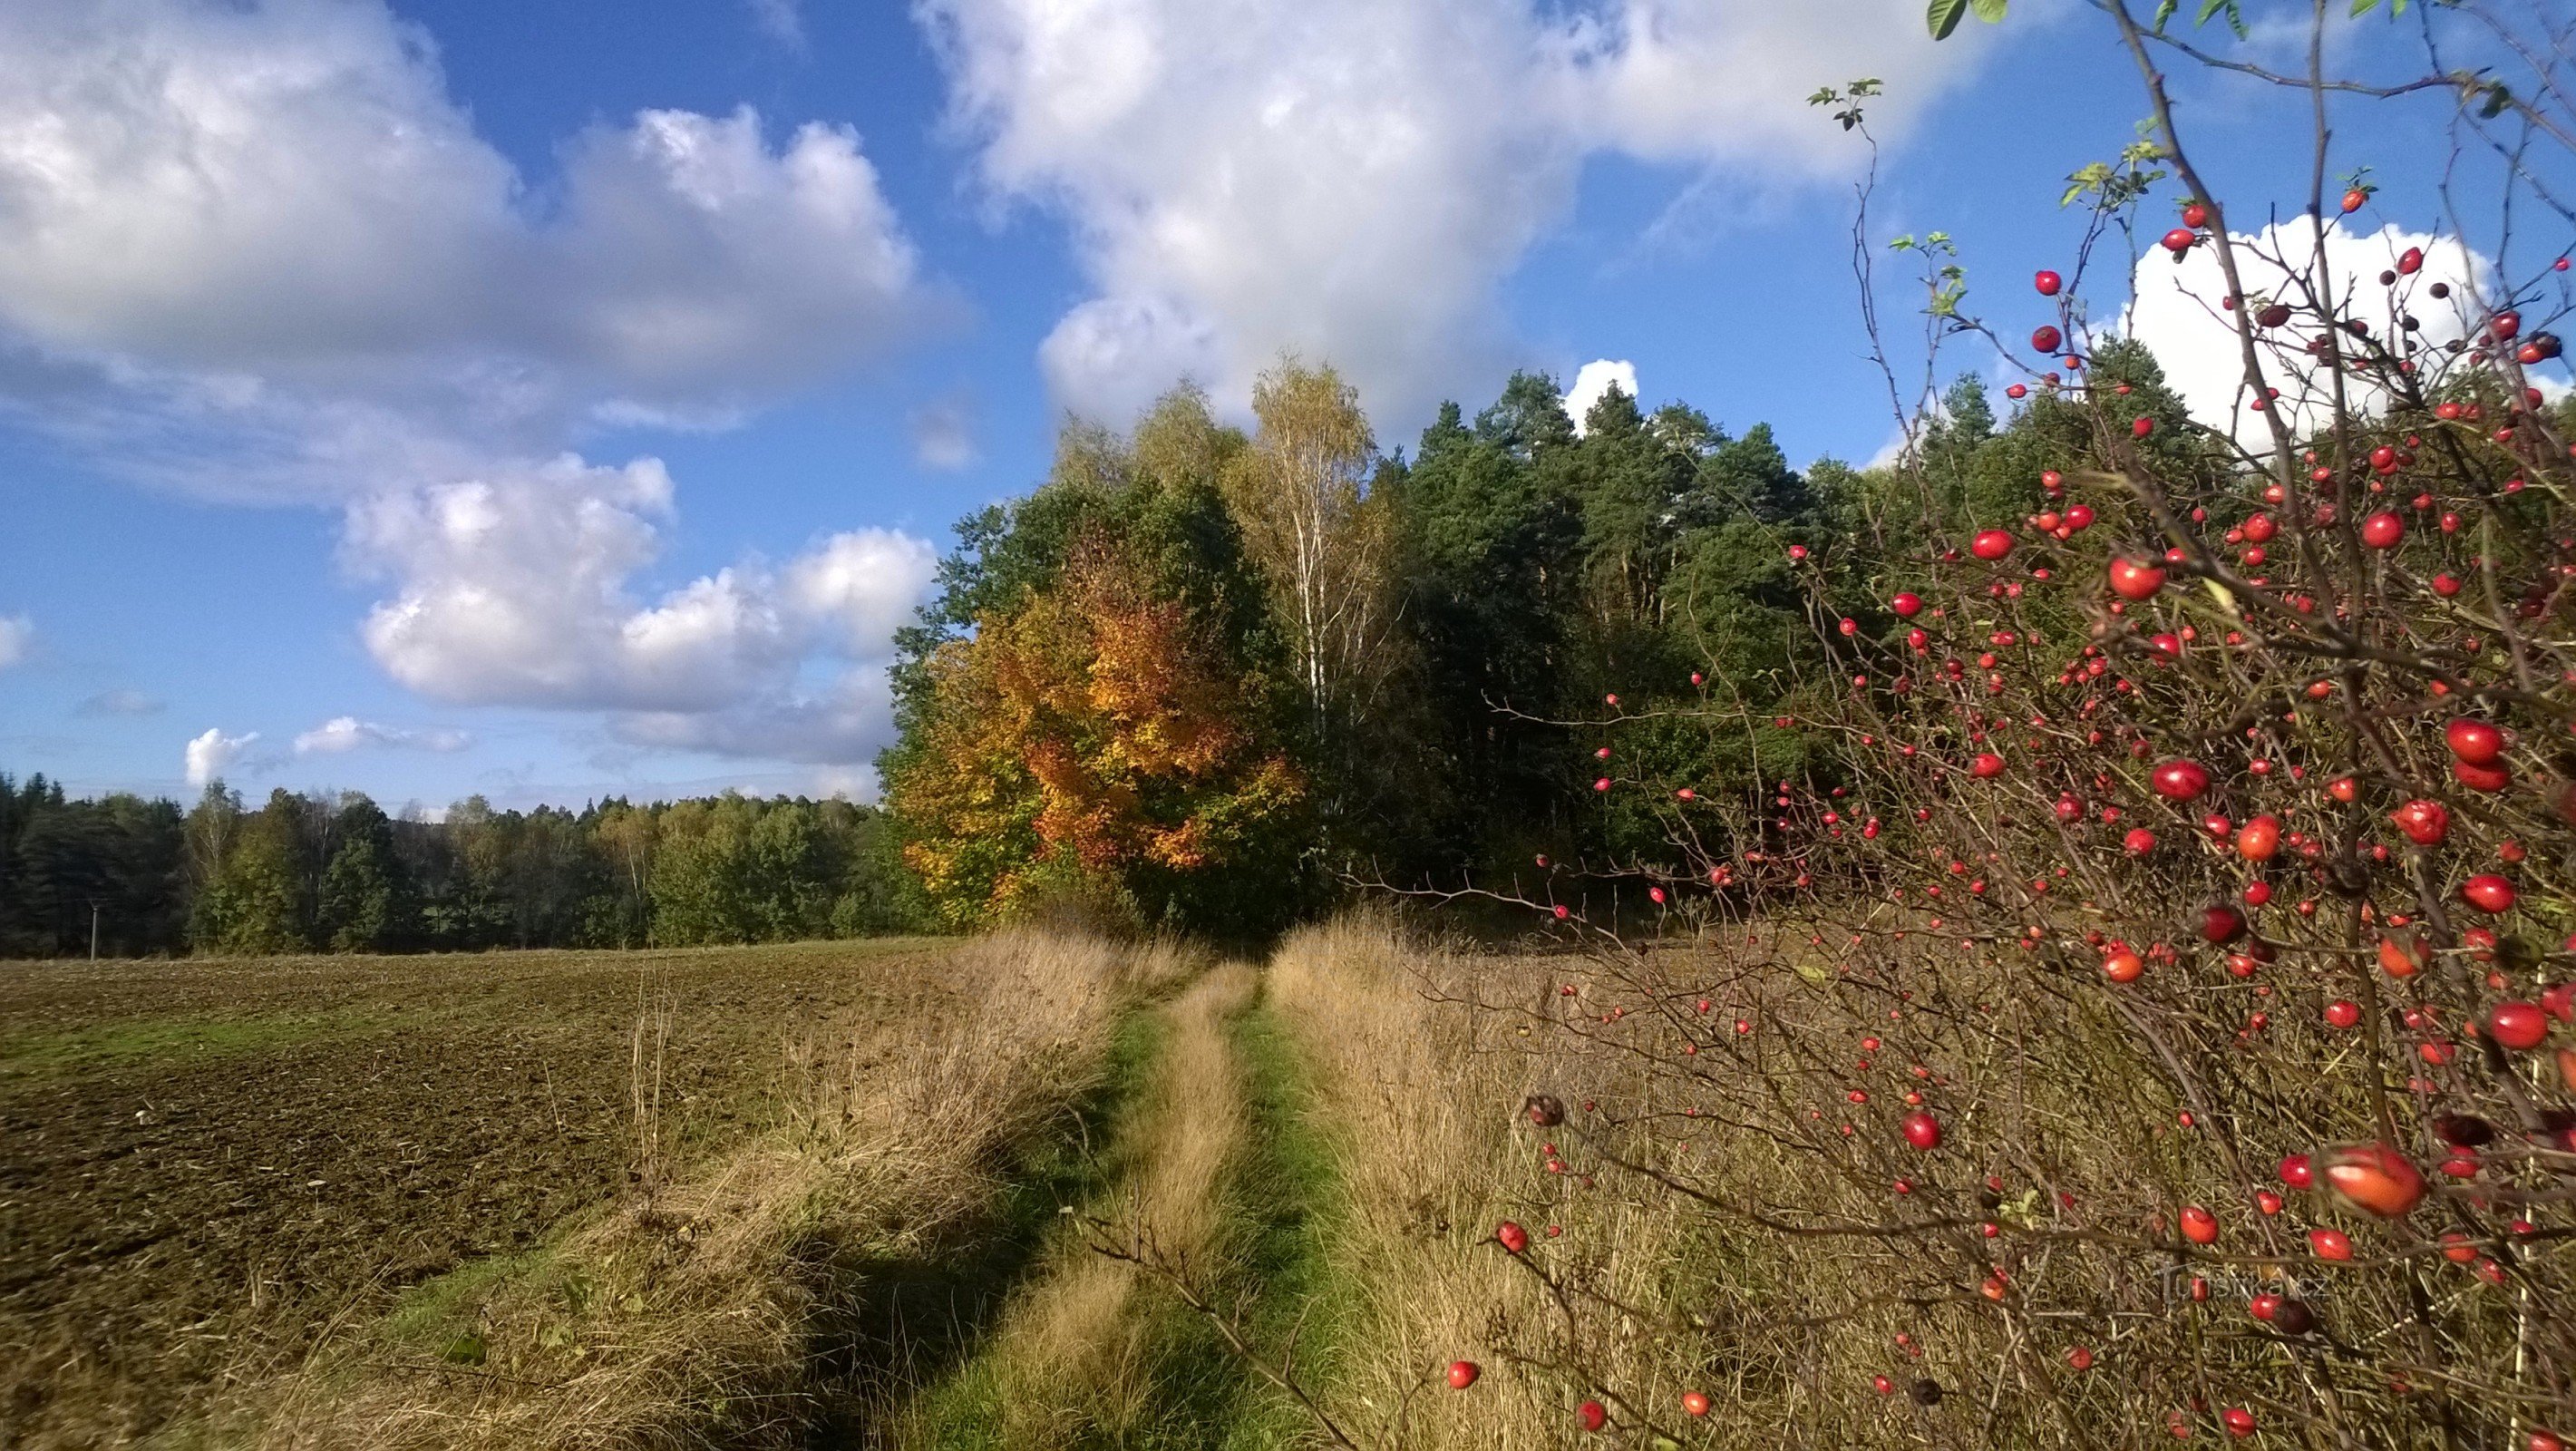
(1323,540)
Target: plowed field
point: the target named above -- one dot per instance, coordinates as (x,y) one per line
(203,1164)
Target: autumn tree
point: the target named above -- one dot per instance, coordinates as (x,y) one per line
(1096,743)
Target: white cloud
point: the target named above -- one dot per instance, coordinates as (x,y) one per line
(211,754)
(861,587)
(1353,179)
(1594,379)
(279,195)
(848,594)
(17,639)
(2175,311)
(343,734)
(943,435)
(254,250)
(121,701)
(517,589)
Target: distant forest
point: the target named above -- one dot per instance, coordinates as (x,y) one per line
(336,874)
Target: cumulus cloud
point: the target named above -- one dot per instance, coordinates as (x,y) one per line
(2175,310)
(1352,179)
(343,734)
(1594,379)
(213,753)
(847,595)
(517,589)
(281,195)
(861,586)
(121,701)
(254,250)
(17,639)
(514,590)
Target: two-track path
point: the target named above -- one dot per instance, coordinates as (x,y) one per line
(1205,1225)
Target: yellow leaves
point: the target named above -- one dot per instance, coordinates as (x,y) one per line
(1095,726)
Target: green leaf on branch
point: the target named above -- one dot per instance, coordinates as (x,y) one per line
(1943,16)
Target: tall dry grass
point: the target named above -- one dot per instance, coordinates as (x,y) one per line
(689,1314)
(1422,1058)
(1076,1359)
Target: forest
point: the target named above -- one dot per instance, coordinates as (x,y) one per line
(306,873)
(1204,678)
(1213,678)
(1200,677)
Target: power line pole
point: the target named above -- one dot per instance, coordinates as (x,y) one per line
(93,929)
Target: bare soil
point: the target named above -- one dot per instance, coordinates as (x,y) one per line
(205,1164)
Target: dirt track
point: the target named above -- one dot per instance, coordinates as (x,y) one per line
(204,1163)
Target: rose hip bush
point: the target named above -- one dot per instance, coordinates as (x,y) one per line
(2151,1018)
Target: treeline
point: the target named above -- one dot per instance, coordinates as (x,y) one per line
(1201,677)
(305,873)
(1204,677)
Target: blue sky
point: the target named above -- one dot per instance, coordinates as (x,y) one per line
(524,398)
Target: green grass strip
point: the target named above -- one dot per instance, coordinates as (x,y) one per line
(1288,1190)
(1278,1202)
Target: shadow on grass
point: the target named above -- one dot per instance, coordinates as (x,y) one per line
(1277,1196)
(886,1328)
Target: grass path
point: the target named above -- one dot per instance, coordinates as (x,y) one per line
(1212,1169)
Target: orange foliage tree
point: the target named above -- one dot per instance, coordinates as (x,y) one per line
(1092,743)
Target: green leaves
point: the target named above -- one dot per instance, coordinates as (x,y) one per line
(1943,16)
(2361,8)
(2114,186)
(2208,8)
(1848,97)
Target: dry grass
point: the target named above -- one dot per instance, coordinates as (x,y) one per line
(1424,1095)
(1777,1247)
(1077,1356)
(685,1317)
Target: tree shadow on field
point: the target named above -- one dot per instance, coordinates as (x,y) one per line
(884,1327)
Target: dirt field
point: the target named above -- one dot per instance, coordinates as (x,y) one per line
(204,1163)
